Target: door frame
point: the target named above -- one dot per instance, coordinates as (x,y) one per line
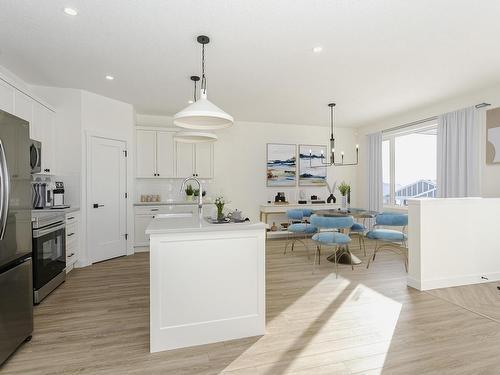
(86,195)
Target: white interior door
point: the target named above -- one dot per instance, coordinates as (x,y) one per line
(106,199)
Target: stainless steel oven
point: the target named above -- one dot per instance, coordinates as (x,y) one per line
(49,252)
(35,156)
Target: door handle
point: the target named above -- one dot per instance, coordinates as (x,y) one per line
(5,192)
(96,205)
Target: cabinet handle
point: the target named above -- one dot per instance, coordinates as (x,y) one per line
(70,234)
(46,170)
(154,209)
(70,255)
(71,218)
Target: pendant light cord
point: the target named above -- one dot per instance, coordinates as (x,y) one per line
(203,78)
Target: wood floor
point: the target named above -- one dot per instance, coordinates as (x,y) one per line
(363,322)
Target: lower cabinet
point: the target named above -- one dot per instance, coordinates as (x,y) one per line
(144,215)
(72,239)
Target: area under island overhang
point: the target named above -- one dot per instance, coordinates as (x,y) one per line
(207,282)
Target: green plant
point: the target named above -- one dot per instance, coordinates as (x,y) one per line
(344,188)
(219,203)
(189,190)
(196,192)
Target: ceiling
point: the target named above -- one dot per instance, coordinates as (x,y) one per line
(379,58)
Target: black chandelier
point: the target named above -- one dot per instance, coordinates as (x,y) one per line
(332,161)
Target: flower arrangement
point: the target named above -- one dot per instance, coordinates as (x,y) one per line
(344,188)
(219,203)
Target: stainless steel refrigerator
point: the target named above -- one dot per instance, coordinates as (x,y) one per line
(16,285)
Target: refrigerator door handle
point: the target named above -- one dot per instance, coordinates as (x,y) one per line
(4,191)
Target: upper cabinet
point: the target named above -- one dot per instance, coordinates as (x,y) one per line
(6,97)
(43,131)
(159,156)
(155,154)
(23,108)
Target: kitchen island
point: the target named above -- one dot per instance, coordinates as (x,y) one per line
(207,281)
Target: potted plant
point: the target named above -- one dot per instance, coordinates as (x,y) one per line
(189,192)
(344,190)
(219,203)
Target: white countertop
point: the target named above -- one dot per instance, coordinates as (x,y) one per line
(194,224)
(65,210)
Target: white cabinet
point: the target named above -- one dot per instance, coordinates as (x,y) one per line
(72,239)
(141,223)
(23,108)
(204,160)
(146,153)
(155,154)
(165,154)
(184,156)
(6,97)
(159,156)
(195,160)
(43,131)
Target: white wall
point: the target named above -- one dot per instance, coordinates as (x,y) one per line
(490,179)
(68,142)
(240,162)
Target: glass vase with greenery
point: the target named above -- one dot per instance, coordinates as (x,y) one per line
(219,203)
(344,190)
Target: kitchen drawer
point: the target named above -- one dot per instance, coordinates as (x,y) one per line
(164,209)
(72,217)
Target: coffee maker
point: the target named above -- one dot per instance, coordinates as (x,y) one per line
(58,195)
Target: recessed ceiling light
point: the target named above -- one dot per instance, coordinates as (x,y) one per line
(190,102)
(110,78)
(317,49)
(70,11)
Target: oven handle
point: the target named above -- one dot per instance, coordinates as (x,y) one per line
(37,233)
(5,191)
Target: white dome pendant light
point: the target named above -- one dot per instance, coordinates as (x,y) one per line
(203,114)
(194,136)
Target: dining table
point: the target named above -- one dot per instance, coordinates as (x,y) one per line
(342,255)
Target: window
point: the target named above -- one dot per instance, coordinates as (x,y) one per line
(409,164)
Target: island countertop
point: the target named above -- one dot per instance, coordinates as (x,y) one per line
(193,224)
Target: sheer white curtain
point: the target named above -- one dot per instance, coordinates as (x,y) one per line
(459,153)
(375,184)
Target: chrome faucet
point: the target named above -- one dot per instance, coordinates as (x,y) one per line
(200,196)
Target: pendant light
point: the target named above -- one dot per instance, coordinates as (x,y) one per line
(194,136)
(332,147)
(203,114)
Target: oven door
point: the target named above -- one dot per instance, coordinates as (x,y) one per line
(49,253)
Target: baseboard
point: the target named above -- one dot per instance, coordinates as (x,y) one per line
(453,281)
(141,249)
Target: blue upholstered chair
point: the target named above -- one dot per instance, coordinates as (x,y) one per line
(359,229)
(390,239)
(329,235)
(298,228)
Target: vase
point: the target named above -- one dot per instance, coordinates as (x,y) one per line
(189,198)
(343,202)
(220,212)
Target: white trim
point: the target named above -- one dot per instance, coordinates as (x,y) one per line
(423,285)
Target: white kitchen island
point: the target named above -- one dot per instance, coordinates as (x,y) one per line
(207,282)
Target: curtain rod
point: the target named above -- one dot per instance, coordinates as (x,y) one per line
(433,118)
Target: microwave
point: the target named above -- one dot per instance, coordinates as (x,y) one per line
(35,156)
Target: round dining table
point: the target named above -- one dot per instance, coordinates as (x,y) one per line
(343,256)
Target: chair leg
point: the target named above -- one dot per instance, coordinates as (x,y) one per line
(364,245)
(350,256)
(307,247)
(372,257)
(336,262)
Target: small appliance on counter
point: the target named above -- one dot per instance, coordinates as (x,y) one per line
(58,196)
(39,195)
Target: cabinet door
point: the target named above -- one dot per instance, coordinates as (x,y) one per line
(43,129)
(146,153)
(184,156)
(6,97)
(204,160)
(141,223)
(23,108)
(165,154)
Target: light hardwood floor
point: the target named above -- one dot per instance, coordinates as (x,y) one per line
(364,322)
